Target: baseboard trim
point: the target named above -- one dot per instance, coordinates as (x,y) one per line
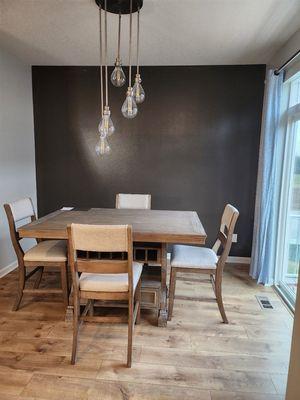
(6,270)
(239,260)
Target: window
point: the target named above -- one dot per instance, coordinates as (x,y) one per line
(288,255)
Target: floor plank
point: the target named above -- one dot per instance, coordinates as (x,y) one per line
(213,360)
(243,396)
(189,377)
(56,388)
(195,357)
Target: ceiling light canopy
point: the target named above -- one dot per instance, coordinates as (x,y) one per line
(120,6)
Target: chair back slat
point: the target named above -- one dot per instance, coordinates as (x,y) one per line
(105,238)
(133,201)
(224,238)
(22,209)
(100,238)
(102,266)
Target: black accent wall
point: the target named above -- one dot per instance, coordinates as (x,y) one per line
(193,146)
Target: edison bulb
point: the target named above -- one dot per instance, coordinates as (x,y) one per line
(106,126)
(138,91)
(129,108)
(102,147)
(118,77)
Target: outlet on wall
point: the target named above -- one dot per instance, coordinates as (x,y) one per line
(234,238)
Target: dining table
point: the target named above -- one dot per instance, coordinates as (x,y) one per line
(153,231)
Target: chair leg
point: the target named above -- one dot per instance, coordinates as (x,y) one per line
(64,285)
(21,285)
(130,331)
(91,308)
(38,278)
(76,315)
(138,298)
(218,291)
(171,293)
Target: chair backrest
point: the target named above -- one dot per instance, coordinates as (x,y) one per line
(133,201)
(100,238)
(15,212)
(224,239)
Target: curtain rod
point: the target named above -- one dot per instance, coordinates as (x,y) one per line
(283,66)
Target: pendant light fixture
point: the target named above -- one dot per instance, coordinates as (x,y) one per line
(138,91)
(105,127)
(134,95)
(118,77)
(129,108)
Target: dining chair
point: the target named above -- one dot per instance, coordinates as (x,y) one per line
(45,254)
(133,201)
(192,259)
(147,253)
(138,202)
(103,279)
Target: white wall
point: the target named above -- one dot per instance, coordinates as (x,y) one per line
(17,157)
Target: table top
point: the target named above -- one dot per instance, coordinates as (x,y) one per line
(161,226)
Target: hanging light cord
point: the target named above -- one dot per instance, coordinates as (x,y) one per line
(101,61)
(138,43)
(130,40)
(105,51)
(119,36)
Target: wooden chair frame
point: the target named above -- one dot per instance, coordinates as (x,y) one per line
(224,241)
(37,265)
(104,267)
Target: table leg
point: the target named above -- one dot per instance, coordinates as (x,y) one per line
(70,307)
(163,311)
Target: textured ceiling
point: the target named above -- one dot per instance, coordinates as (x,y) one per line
(173,32)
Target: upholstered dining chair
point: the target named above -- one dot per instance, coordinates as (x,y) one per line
(133,201)
(137,202)
(45,254)
(192,259)
(102,279)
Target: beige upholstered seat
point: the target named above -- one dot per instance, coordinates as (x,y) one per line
(193,257)
(133,201)
(48,250)
(110,282)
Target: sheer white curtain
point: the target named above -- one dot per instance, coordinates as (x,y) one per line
(268,183)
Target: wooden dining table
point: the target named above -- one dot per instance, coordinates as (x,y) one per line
(155,228)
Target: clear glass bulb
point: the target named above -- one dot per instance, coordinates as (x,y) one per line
(138,91)
(118,77)
(102,147)
(106,126)
(129,108)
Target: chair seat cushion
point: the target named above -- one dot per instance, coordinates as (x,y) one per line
(48,250)
(193,257)
(109,282)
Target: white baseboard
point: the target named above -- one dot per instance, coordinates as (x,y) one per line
(6,270)
(238,260)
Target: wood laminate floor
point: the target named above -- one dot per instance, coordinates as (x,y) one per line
(195,358)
